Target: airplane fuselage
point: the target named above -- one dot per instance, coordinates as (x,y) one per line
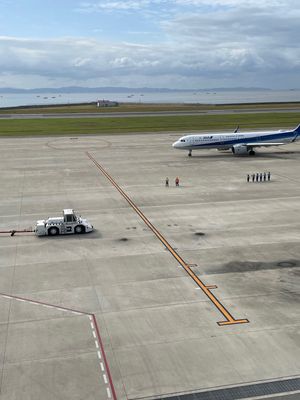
(237,142)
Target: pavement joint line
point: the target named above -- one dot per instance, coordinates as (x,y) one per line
(229,319)
(110,390)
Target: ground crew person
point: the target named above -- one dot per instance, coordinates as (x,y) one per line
(257,176)
(248,177)
(177,181)
(253,177)
(167,182)
(269,175)
(260,177)
(265,176)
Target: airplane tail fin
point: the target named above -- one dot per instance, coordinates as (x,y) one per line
(297,130)
(297,133)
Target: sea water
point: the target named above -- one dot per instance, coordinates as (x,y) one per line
(201,97)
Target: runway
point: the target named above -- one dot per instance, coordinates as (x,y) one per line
(115,114)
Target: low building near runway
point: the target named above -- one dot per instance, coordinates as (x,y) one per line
(107,103)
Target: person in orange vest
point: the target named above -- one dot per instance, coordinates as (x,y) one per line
(177,181)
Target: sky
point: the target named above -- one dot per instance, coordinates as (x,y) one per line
(177,44)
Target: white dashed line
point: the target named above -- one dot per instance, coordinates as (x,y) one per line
(100,358)
(104,375)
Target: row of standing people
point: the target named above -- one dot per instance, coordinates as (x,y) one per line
(256,177)
(259,177)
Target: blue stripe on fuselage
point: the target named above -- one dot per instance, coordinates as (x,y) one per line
(252,139)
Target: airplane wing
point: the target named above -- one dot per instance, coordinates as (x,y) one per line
(264,144)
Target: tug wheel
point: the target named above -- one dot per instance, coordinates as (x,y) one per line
(53,231)
(79,229)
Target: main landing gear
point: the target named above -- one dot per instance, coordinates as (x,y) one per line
(190,153)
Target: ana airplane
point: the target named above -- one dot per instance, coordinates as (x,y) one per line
(238,143)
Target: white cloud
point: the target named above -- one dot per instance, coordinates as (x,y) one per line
(113,5)
(238,43)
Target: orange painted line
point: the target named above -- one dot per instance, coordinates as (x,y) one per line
(205,288)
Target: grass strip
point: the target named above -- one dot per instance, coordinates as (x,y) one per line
(184,124)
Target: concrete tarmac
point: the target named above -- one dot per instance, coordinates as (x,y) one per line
(112,314)
(142,114)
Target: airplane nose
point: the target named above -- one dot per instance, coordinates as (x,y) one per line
(174,145)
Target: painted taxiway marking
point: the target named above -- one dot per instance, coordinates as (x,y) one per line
(229,319)
(105,371)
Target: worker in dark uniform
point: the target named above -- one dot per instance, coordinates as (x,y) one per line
(167,182)
(269,176)
(248,178)
(260,177)
(265,176)
(257,176)
(253,177)
(177,181)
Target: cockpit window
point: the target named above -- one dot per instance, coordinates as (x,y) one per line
(182,140)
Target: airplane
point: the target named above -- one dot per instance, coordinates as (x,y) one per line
(237,142)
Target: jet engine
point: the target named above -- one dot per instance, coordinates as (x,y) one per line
(239,149)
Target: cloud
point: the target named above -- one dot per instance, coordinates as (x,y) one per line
(222,42)
(99,6)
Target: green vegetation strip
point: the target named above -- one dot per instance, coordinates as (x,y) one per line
(81,126)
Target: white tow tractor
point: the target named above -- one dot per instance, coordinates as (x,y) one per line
(65,225)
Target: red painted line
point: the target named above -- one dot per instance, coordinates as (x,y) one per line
(36,302)
(44,304)
(104,357)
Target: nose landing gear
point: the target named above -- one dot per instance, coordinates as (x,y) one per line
(190,153)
